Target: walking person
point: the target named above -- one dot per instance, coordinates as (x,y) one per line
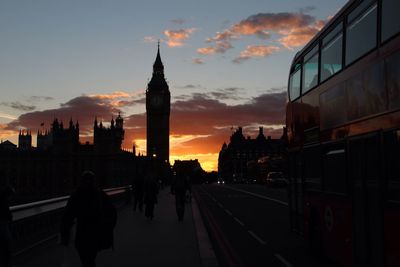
(138,192)
(5,220)
(150,195)
(95,217)
(179,187)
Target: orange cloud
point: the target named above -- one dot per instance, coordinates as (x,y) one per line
(121,99)
(220,47)
(113,95)
(177,38)
(207,50)
(223,36)
(6,133)
(253,51)
(289,29)
(300,36)
(260,24)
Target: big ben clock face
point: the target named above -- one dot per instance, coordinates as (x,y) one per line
(156,101)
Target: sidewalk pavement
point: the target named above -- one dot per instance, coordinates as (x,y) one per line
(138,242)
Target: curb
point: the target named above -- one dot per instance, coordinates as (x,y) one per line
(207,255)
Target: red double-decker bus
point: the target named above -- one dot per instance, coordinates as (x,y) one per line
(343,121)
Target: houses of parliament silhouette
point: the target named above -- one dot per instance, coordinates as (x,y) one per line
(53,167)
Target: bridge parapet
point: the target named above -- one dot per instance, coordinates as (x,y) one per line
(39,222)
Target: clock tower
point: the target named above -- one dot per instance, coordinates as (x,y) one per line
(158,100)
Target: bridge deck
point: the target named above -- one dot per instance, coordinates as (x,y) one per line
(138,242)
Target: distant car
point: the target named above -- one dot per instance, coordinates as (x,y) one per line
(220,181)
(276,179)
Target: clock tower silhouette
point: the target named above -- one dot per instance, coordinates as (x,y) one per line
(158,102)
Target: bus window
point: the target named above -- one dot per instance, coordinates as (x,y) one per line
(294,86)
(361,32)
(331,53)
(333,107)
(375,93)
(356,97)
(392,156)
(335,171)
(393,80)
(390,21)
(312,168)
(366,95)
(310,69)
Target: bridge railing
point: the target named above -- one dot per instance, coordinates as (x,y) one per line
(39,222)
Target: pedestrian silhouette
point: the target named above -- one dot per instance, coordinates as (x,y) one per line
(150,195)
(179,187)
(138,192)
(95,217)
(5,220)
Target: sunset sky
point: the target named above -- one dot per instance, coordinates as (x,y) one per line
(226,63)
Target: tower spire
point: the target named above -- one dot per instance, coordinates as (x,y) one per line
(158,67)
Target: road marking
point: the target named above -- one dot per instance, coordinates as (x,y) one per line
(262,242)
(238,221)
(283,260)
(227,211)
(257,195)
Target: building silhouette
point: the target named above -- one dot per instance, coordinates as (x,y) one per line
(7,146)
(59,138)
(53,168)
(236,159)
(25,140)
(108,140)
(158,101)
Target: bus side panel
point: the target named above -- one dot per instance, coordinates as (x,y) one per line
(392,237)
(337,230)
(313,222)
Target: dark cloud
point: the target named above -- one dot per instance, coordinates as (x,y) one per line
(18,106)
(189,86)
(231,93)
(307,9)
(198,61)
(178,21)
(82,109)
(36,98)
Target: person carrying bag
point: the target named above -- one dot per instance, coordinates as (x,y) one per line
(95,217)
